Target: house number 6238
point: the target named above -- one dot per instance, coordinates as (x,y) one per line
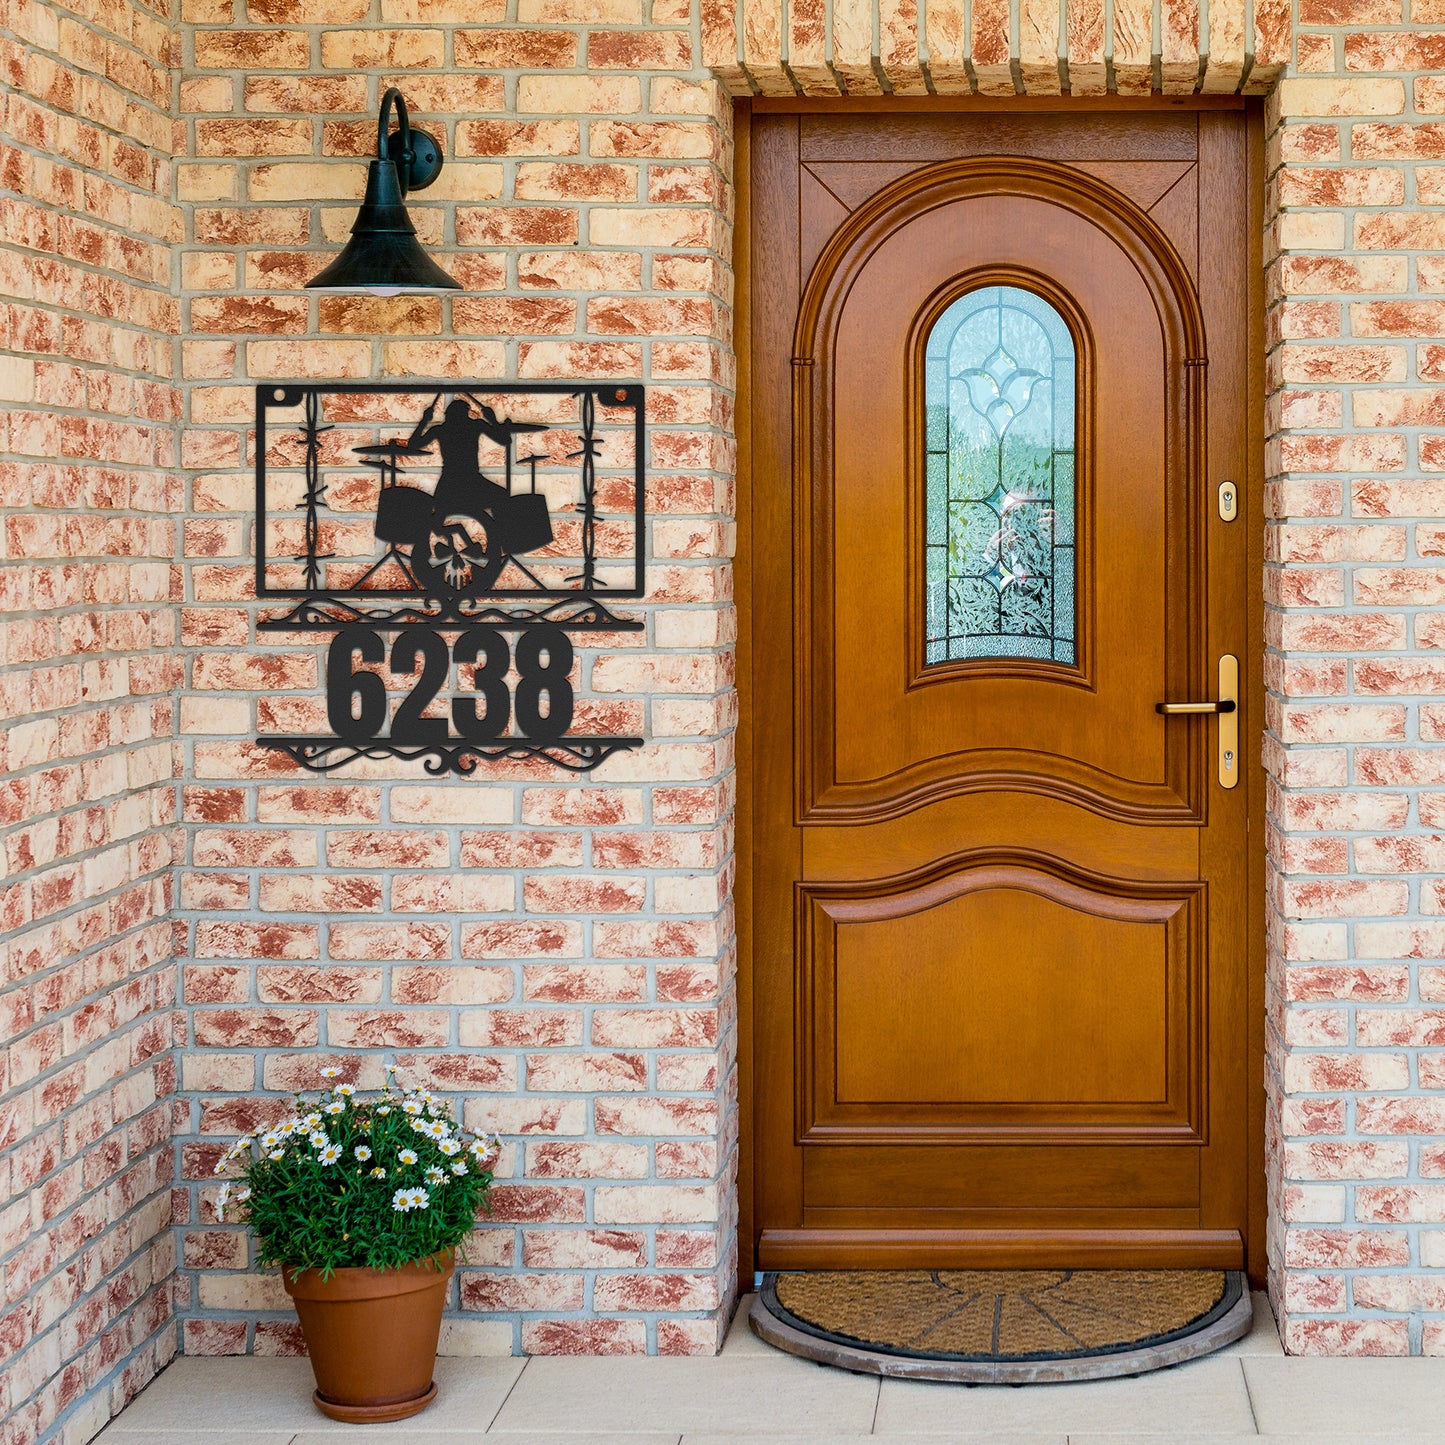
(356,700)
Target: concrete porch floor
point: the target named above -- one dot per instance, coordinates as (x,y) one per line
(1248,1391)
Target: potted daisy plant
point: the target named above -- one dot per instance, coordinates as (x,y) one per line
(363,1202)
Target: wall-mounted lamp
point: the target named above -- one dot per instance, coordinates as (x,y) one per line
(383,256)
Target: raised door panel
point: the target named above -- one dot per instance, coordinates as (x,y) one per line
(996,999)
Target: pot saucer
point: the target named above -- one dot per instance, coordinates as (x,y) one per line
(375,1414)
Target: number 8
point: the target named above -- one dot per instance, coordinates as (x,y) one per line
(535,677)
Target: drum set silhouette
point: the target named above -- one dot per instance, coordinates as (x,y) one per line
(453,543)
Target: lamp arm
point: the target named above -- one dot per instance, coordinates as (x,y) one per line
(393,97)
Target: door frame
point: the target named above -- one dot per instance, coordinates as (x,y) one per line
(1253,516)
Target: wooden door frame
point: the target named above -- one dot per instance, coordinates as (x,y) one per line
(1252,517)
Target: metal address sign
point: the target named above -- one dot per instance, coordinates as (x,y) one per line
(454,539)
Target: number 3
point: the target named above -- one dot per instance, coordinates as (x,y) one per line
(491,682)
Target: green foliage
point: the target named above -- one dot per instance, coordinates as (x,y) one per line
(349,1180)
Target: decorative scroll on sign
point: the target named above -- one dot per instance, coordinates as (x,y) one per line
(453,539)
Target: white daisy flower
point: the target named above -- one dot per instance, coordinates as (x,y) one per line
(362,1152)
(385,1109)
(419,1125)
(319,1139)
(378,1172)
(435,1176)
(336,1106)
(331,1154)
(407,1199)
(412,1106)
(311,1120)
(486,1148)
(407,1156)
(220,1166)
(277,1154)
(331,1073)
(289,1127)
(270,1140)
(450,1146)
(242,1195)
(392,1068)
(345,1090)
(438,1129)
(459,1167)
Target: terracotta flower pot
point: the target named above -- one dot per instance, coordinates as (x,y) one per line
(372,1336)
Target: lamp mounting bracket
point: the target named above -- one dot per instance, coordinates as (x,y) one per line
(425,162)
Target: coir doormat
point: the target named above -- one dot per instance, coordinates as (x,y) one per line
(1002,1326)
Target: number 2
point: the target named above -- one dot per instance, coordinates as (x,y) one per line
(410,726)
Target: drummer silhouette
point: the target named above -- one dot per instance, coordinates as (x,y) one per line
(461,486)
(469,528)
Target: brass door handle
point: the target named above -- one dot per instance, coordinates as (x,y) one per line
(1174,709)
(1226,707)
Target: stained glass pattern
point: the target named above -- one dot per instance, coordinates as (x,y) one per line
(1000,396)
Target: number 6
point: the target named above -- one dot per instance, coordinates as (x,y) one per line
(343,684)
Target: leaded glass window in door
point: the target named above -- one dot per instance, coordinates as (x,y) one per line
(1000,399)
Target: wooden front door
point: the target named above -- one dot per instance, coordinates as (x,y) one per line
(999,371)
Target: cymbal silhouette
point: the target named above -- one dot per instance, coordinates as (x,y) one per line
(396,447)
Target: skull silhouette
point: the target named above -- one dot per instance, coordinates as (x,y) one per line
(459,547)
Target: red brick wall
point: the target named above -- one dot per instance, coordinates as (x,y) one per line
(89,495)
(556,953)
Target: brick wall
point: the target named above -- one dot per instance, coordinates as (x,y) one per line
(556,954)
(89,493)
(1354,580)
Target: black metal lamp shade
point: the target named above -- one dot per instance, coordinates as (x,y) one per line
(383,256)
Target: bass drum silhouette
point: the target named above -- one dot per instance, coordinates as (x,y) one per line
(457,550)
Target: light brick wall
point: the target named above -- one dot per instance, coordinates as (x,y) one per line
(1354,583)
(556,953)
(88,496)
